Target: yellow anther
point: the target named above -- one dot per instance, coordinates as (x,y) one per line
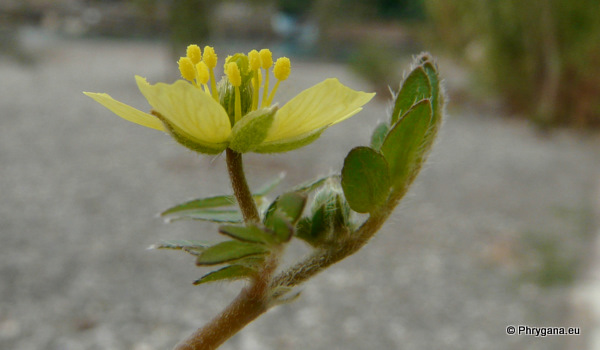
(194,53)
(282,68)
(233,73)
(226,63)
(203,73)
(254,58)
(210,57)
(186,67)
(266,58)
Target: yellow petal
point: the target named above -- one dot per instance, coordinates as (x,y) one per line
(322,105)
(127,112)
(189,109)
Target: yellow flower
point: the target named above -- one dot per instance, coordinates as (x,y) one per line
(210,119)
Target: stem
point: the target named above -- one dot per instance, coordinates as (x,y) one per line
(324,258)
(240,186)
(252,302)
(255,299)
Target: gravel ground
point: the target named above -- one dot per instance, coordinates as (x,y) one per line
(497,210)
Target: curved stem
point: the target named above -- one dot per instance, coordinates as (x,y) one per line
(240,186)
(324,258)
(255,298)
(252,302)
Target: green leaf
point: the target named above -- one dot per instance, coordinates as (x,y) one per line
(251,130)
(365,179)
(250,233)
(191,247)
(403,147)
(213,215)
(312,185)
(231,272)
(202,203)
(228,251)
(179,244)
(379,135)
(217,201)
(415,87)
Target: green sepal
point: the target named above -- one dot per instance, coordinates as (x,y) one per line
(188,140)
(289,144)
(231,272)
(365,179)
(290,204)
(284,213)
(250,233)
(281,226)
(229,251)
(415,87)
(403,146)
(330,215)
(252,129)
(213,215)
(379,135)
(304,231)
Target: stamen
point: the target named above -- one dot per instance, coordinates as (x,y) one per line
(186,68)
(210,58)
(203,73)
(254,58)
(266,61)
(233,73)
(282,68)
(266,58)
(193,53)
(281,71)
(235,78)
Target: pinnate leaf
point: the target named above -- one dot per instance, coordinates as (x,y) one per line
(231,272)
(229,251)
(214,215)
(250,233)
(202,203)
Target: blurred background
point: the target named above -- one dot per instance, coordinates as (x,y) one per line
(500,229)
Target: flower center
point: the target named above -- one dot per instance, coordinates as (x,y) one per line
(239,91)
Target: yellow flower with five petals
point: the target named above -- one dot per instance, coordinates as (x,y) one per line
(208,119)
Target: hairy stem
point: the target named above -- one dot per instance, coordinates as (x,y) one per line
(252,302)
(254,299)
(324,258)
(240,186)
